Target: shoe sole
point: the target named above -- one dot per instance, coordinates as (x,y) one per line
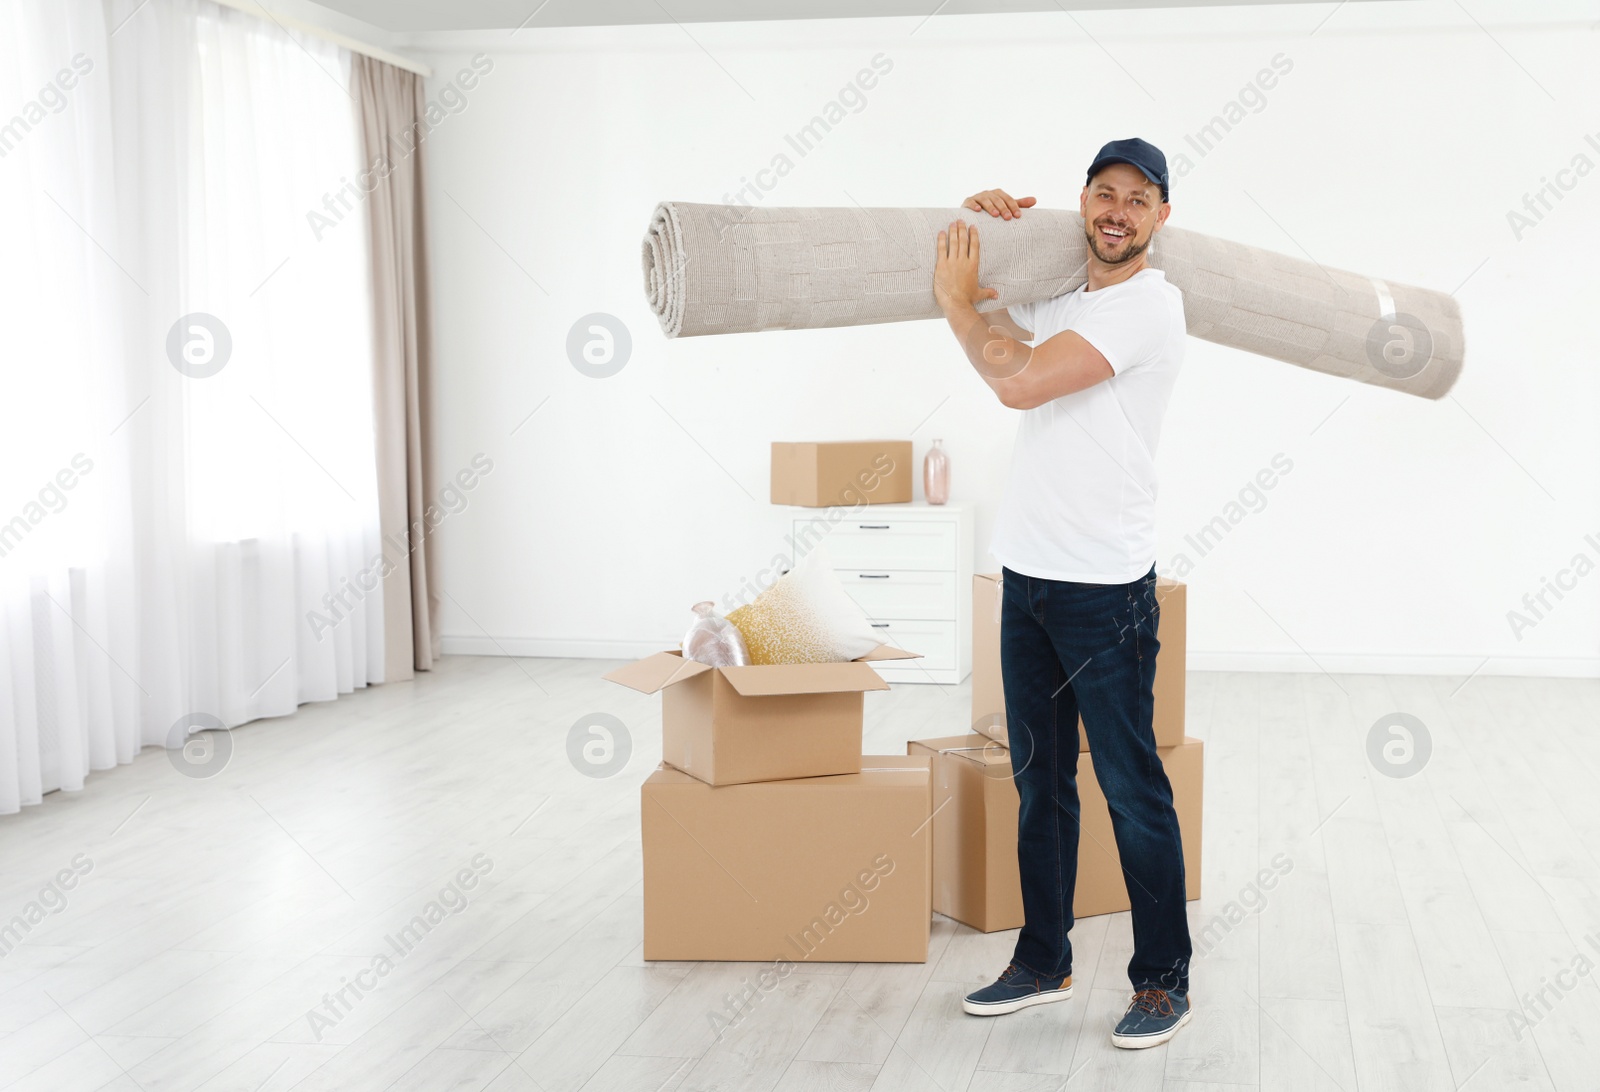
(1140,1042)
(1000,1008)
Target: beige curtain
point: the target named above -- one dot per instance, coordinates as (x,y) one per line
(390,105)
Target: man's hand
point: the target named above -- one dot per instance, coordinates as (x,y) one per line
(955,269)
(998,203)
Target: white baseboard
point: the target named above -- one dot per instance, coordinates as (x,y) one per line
(576,648)
(1367,663)
(1337,663)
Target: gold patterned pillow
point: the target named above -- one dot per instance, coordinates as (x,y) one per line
(805,617)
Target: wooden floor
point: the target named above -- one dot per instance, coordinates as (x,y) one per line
(1418,915)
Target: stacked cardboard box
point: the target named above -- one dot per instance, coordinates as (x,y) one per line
(976,878)
(851,473)
(975,872)
(988,696)
(767,834)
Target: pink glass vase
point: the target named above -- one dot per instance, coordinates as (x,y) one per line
(936,474)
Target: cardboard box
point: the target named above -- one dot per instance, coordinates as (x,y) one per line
(848,474)
(822,869)
(975,873)
(732,725)
(974,831)
(988,695)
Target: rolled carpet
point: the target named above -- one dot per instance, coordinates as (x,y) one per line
(723,269)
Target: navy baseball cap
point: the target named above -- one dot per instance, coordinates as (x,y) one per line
(1137,153)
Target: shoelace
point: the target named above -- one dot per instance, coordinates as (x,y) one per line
(1154,1001)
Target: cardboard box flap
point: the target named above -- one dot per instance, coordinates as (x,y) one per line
(655,672)
(888,652)
(765,680)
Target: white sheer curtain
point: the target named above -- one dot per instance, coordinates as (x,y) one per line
(166,537)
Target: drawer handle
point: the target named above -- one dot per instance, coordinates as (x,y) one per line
(872,526)
(872,576)
(879,625)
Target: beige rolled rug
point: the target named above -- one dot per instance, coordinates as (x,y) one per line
(723,269)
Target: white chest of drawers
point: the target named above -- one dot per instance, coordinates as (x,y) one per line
(909,567)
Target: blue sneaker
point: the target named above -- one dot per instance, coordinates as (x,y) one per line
(1154,1015)
(1015,989)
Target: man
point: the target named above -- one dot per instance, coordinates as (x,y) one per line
(1092,371)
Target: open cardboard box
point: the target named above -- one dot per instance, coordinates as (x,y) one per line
(763,722)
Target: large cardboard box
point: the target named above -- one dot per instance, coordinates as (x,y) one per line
(821,869)
(731,725)
(988,695)
(988,692)
(974,831)
(824,474)
(975,873)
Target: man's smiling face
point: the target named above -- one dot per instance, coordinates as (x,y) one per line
(1122,210)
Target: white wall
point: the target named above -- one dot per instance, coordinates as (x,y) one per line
(1395,147)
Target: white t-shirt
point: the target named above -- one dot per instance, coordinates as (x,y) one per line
(1081,502)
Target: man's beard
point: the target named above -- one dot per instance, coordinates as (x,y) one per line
(1091,233)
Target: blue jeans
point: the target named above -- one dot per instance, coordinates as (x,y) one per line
(1068,648)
